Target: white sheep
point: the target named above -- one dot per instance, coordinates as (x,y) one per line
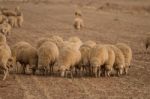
(25,54)
(98,57)
(85,55)
(48,54)
(119,60)
(127,52)
(108,67)
(6,61)
(78,23)
(68,59)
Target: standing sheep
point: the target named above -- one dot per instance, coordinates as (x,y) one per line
(108,67)
(25,54)
(5,59)
(98,57)
(48,54)
(68,59)
(119,60)
(78,23)
(127,52)
(85,50)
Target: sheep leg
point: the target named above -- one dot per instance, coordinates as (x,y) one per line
(5,73)
(126,70)
(99,72)
(95,71)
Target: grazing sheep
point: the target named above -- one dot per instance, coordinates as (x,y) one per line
(12,20)
(6,61)
(119,60)
(78,23)
(147,42)
(127,52)
(85,55)
(48,54)
(110,62)
(2,38)
(98,58)
(68,59)
(25,54)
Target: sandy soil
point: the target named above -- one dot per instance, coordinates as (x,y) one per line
(107,21)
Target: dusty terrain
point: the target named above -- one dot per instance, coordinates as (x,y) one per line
(107,21)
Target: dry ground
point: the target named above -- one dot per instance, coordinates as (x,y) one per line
(107,21)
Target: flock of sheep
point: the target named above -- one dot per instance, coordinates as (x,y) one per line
(74,57)
(9,19)
(66,57)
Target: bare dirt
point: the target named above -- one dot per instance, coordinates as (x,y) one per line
(107,21)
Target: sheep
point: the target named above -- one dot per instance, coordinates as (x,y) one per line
(25,54)
(2,38)
(78,23)
(85,54)
(12,20)
(6,61)
(48,54)
(108,67)
(147,42)
(98,57)
(68,59)
(127,52)
(119,60)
